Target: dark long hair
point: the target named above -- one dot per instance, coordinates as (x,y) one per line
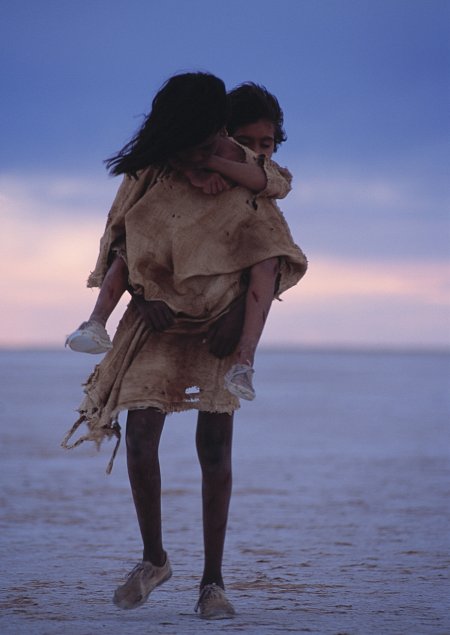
(186,110)
(250,102)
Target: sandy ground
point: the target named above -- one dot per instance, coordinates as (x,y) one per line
(339,521)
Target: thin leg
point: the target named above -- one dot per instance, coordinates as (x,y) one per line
(258,302)
(113,287)
(144,428)
(214,443)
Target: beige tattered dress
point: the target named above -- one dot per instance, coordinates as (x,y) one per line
(190,250)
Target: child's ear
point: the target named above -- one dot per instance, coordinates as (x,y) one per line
(223,132)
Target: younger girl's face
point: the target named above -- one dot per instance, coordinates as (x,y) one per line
(199,154)
(258,136)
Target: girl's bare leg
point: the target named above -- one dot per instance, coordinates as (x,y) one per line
(259,298)
(144,428)
(113,287)
(223,337)
(214,442)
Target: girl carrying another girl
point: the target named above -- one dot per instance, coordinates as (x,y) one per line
(196,238)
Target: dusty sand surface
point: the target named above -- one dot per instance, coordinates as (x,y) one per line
(339,521)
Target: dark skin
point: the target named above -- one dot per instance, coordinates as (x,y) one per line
(214,441)
(222,337)
(155,313)
(213,437)
(214,446)
(214,430)
(214,433)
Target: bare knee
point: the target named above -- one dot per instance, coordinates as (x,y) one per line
(143,432)
(214,441)
(136,442)
(215,458)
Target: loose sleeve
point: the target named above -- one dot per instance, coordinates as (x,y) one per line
(279,179)
(113,240)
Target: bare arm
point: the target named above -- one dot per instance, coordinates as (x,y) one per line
(249,175)
(113,287)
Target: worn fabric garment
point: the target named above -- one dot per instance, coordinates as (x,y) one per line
(190,250)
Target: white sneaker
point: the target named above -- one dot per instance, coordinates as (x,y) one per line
(213,604)
(238,381)
(90,337)
(140,583)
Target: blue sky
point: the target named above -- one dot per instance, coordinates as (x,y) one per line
(364,87)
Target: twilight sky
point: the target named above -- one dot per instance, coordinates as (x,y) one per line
(365,92)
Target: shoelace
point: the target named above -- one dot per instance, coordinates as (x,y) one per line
(210,590)
(139,567)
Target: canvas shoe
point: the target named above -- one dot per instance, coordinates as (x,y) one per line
(90,337)
(140,583)
(213,604)
(238,381)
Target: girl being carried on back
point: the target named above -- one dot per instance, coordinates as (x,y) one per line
(214,166)
(201,258)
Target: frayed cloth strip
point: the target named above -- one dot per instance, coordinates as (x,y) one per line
(113,430)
